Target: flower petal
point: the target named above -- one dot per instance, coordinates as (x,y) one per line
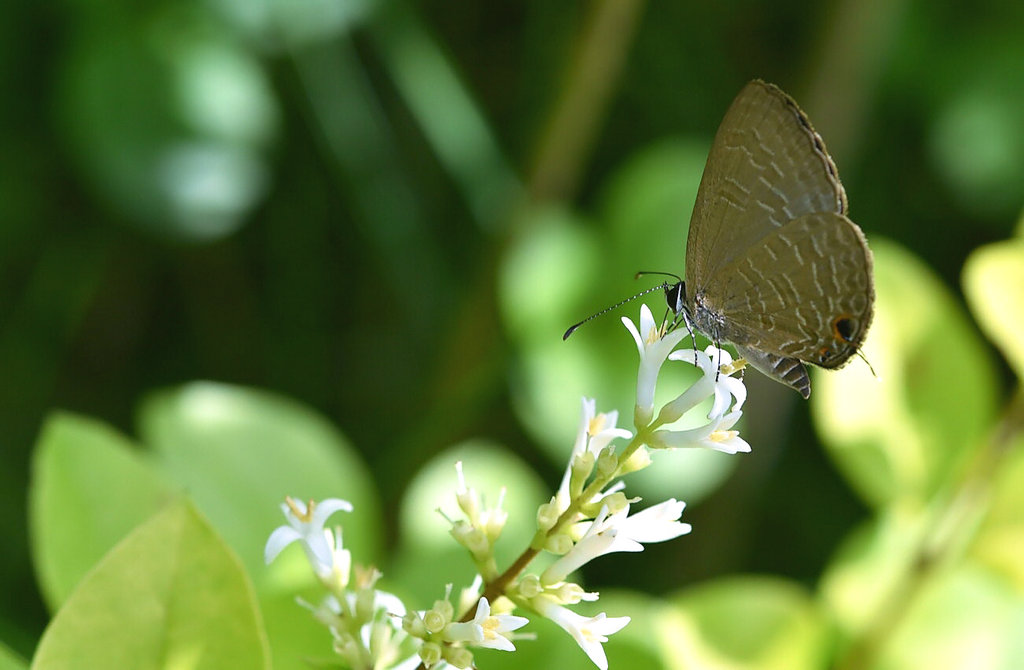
(278,540)
(325,508)
(590,633)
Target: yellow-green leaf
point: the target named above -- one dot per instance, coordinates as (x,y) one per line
(994,284)
(171,595)
(90,486)
(749,623)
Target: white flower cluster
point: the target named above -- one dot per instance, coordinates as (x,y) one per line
(589,516)
(371,628)
(361,619)
(716,366)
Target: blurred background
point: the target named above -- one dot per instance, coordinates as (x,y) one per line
(390,211)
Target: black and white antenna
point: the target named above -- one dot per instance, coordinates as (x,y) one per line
(673,294)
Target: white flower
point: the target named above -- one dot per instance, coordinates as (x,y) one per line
(381,636)
(589,632)
(610,533)
(468,498)
(597,541)
(488,520)
(717,435)
(306,525)
(486,630)
(596,431)
(654,349)
(657,523)
(337,571)
(716,365)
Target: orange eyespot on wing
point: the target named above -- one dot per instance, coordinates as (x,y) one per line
(844,327)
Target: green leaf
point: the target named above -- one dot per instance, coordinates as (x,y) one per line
(993,282)
(238,452)
(901,435)
(547,270)
(750,622)
(976,142)
(999,544)
(963,618)
(9,660)
(172,594)
(870,563)
(90,486)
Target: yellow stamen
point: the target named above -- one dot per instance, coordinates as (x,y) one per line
(735,366)
(366,576)
(723,435)
(596,424)
(304,517)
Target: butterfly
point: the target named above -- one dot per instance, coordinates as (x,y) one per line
(773,264)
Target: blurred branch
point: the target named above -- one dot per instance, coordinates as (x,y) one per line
(565,143)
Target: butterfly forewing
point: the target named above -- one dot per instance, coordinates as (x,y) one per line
(767,166)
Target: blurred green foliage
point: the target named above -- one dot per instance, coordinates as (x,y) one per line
(388,212)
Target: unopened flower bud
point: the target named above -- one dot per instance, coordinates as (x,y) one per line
(460,657)
(638,460)
(569,593)
(365,599)
(477,543)
(607,462)
(582,466)
(615,502)
(445,608)
(412,624)
(529,586)
(461,530)
(435,621)
(346,646)
(547,515)
(558,544)
(430,653)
